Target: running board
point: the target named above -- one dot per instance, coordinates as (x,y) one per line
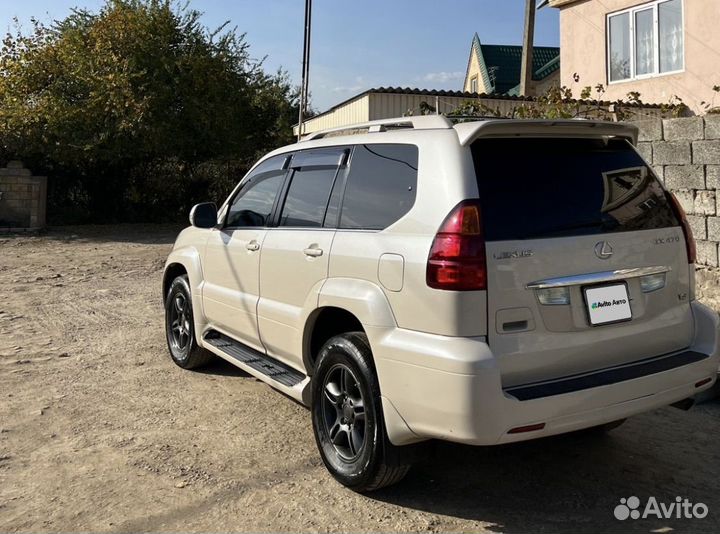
(262,363)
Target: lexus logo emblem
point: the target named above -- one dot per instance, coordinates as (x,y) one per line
(603,250)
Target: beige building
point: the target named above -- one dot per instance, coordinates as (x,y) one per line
(660,48)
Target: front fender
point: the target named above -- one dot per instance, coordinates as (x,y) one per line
(186,254)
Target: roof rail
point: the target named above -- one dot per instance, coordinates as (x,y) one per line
(421,122)
(468,118)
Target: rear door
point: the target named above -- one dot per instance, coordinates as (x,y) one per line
(587,266)
(295,253)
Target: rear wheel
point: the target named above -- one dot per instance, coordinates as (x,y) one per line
(180,327)
(347,417)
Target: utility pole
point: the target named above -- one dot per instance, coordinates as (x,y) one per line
(305,68)
(527,54)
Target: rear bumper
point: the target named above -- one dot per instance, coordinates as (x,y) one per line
(450,388)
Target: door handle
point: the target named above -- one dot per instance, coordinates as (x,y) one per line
(253,246)
(313,252)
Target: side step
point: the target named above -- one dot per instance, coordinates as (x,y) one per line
(258,361)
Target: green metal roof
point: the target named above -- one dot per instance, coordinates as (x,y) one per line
(540,74)
(502,63)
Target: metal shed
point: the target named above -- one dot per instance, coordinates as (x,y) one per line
(392,102)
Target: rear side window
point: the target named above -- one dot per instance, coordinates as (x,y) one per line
(307,197)
(381,186)
(541,188)
(313,176)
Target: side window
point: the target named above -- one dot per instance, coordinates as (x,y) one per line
(312,181)
(253,204)
(381,186)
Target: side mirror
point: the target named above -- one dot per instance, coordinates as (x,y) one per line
(204,215)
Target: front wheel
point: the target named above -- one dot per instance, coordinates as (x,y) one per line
(347,417)
(180,327)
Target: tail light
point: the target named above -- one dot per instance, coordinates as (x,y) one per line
(689,239)
(457,255)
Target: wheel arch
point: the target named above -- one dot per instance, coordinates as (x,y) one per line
(186,261)
(172,271)
(344,305)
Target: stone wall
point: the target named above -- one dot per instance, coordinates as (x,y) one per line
(685,154)
(23,198)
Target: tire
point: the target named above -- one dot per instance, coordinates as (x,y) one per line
(180,327)
(347,417)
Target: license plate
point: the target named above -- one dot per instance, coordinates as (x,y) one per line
(608,304)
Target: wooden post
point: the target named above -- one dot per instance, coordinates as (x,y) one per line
(526,71)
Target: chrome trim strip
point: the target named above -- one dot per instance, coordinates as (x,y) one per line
(597,278)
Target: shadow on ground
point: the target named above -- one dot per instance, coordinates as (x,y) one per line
(146,234)
(220,367)
(568,483)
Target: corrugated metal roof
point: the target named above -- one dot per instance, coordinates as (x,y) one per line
(460,94)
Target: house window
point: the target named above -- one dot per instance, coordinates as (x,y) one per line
(646,41)
(473,84)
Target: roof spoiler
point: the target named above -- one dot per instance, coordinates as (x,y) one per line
(470,131)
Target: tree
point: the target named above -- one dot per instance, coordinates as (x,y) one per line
(104,101)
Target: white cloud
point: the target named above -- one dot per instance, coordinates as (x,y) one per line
(443,77)
(355,88)
(346,89)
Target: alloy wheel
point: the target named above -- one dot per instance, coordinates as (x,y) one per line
(343,412)
(180,322)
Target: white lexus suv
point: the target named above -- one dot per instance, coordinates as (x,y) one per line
(484,282)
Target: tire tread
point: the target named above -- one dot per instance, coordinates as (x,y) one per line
(387,476)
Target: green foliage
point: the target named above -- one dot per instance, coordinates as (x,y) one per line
(709,107)
(126,109)
(558,103)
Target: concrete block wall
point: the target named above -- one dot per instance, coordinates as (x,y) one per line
(685,154)
(23,198)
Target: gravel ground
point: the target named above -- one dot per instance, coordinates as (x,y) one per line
(99,431)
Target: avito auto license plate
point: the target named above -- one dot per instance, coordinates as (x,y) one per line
(608,304)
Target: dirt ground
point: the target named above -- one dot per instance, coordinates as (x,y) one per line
(99,431)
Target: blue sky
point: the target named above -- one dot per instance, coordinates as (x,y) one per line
(357,44)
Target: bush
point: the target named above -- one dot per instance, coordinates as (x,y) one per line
(137,111)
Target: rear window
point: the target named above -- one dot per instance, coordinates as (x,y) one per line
(540,188)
